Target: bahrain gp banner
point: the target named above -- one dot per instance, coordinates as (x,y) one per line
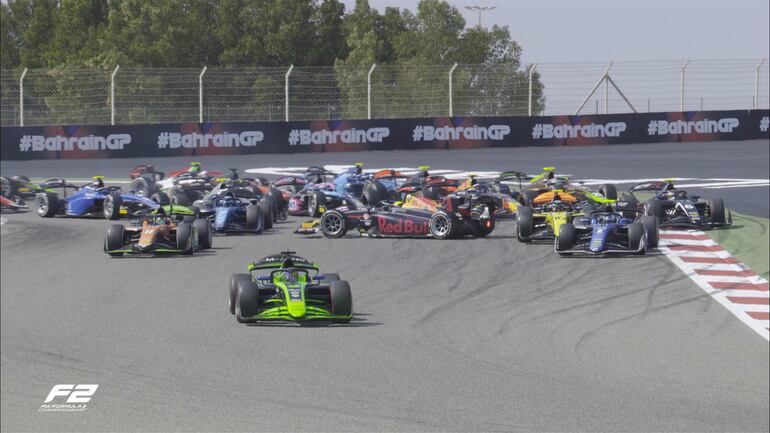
(217,138)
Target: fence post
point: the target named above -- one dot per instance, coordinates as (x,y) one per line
(21,97)
(531,73)
(756,84)
(200,94)
(112,94)
(607,89)
(681,95)
(451,72)
(286,92)
(369,91)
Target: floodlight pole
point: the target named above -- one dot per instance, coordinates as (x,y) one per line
(369,91)
(531,72)
(451,72)
(286,92)
(21,97)
(681,94)
(112,94)
(200,94)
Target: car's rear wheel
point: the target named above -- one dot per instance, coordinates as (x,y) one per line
(47,204)
(255,218)
(631,206)
(341,300)
(480,229)
(234,280)
(566,239)
(636,238)
(331,277)
(144,185)
(650,224)
(203,227)
(111,206)
(184,238)
(114,239)
(161,198)
(609,191)
(265,206)
(6,190)
(524,224)
(246,302)
(333,224)
(654,208)
(442,225)
(179,198)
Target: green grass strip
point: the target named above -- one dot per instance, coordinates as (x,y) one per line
(748,240)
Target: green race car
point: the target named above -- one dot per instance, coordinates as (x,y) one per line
(288,287)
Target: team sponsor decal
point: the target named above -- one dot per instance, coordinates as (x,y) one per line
(450,133)
(77,398)
(63,143)
(684,127)
(175,140)
(401,226)
(307,137)
(566,130)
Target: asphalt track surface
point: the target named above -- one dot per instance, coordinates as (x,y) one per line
(459,335)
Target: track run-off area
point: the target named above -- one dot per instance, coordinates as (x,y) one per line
(459,335)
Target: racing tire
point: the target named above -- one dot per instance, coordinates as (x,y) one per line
(114,239)
(717,212)
(528,195)
(478,230)
(316,200)
(144,186)
(111,206)
(255,218)
(524,224)
(632,204)
(609,191)
(650,224)
(373,193)
(280,204)
(266,208)
(654,208)
(234,280)
(246,302)
(203,227)
(442,225)
(184,238)
(161,198)
(47,204)
(566,239)
(21,177)
(331,277)
(341,300)
(636,237)
(333,224)
(178,198)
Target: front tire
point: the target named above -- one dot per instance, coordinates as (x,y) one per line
(246,302)
(114,239)
(184,238)
(566,239)
(650,224)
(47,204)
(266,207)
(717,211)
(524,224)
(235,279)
(255,218)
(316,201)
(341,300)
(333,224)
(203,227)
(111,206)
(636,237)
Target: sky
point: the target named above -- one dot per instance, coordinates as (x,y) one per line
(604,30)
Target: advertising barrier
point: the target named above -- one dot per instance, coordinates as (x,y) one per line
(219,138)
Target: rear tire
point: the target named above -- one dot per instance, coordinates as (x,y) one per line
(479,230)
(254,218)
(442,225)
(178,198)
(333,224)
(374,193)
(203,227)
(114,239)
(47,204)
(266,208)
(161,198)
(111,206)
(609,191)
(635,237)
(650,224)
(341,300)
(654,208)
(184,238)
(144,185)
(331,277)
(566,239)
(524,224)
(717,211)
(632,204)
(234,280)
(316,201)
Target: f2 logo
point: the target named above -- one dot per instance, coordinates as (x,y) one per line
(76,393)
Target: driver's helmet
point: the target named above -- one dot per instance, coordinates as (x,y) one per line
(162,220)
(195,167)
(288,277)
(358,168)
(558,183)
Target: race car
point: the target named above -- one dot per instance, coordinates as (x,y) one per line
(246,191)
(19,186)
(170,229)
(292,289)
(607,232)
(496,188)
(458,217)
(237,210)
(91,199)
(550,211)
(316,192)
(674,207)
(549,181)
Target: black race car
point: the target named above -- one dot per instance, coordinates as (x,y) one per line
(674,207)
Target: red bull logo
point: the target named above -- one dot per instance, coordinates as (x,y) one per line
(402,227)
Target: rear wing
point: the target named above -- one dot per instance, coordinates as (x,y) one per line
(649,186)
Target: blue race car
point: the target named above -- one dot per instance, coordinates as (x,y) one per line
(91,199)
(233,207)
(607,231)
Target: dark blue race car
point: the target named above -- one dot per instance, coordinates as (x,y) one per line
(91,199)
(607,231)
